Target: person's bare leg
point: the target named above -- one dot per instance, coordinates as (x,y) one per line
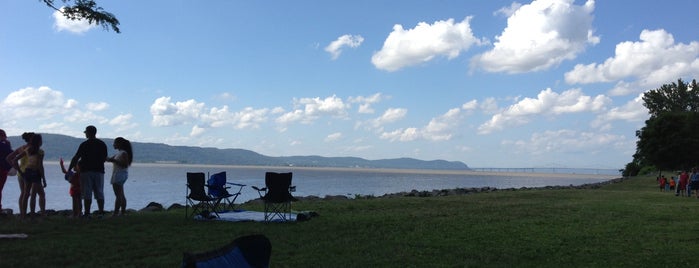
(87,204)
(32,199)
(100,205)
(42,197)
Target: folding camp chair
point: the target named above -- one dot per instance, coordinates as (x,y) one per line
(197,197)
(245,251)
(218,187)
(277,196)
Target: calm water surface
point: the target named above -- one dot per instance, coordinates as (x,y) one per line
(166,184)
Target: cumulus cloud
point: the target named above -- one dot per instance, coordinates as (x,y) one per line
(654,60)
(546,103)
(408,134)
(440,128)
(423,43)
(540,35)
(167,113)
(61,23)
(123,122)
(366,102)
(335,47)
(249,118)
(632,111)
(38,103)
(97,106)
(333,137)
(509,10)
(308,110)
(47,108)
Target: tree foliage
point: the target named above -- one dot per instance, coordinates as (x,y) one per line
(87,10)
(674,97)
(670,139)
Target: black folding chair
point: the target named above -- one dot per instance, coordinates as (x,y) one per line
(197,198)
(277,196)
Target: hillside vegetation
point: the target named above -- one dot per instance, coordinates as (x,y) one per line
(57,146)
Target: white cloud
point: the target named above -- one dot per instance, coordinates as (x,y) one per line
(423,43)
(308,110)
(166,113)
(197,131)
(546,103)
(61,23)
(489,106)
(333,137)
(654,60)
(632,111)
(471,105)
(37,103)
(540,35)
(97,106)
(335,47)
(249,118)
(366,102)
(509,10)
(123,122)
(409,134)
(389,116)
(440,128)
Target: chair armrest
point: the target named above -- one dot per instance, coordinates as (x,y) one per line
(236,184)
(259,189)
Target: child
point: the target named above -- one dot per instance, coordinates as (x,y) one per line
(673,182)
(74,178)
(663,181)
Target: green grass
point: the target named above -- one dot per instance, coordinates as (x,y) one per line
(628,224)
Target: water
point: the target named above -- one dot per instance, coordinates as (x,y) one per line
(166,183)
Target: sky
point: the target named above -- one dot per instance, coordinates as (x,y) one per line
(546,83)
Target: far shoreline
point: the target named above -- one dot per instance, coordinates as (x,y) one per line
(395,170)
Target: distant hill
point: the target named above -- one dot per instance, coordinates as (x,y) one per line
(57,146)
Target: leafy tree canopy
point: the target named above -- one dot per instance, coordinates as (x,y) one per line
(88,10)
(670,139)
(674,97)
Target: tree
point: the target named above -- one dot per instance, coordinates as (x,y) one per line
(88,10)
(680,97)
(670,139)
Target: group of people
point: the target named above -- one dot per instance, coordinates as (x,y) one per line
(85,172)
(682,185)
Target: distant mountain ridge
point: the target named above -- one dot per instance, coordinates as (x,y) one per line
(57,146)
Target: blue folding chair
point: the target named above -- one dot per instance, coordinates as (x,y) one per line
(219,188)
(245,251)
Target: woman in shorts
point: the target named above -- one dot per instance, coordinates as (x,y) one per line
(120,173)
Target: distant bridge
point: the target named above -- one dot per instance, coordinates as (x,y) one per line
(561,170)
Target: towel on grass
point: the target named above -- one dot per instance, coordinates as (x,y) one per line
(243,215)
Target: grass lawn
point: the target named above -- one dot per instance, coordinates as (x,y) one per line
(628,224)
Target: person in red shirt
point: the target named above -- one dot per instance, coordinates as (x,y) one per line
(663,181)
(682,187)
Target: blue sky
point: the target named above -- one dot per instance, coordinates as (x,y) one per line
(554,83)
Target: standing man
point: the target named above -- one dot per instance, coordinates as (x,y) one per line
(91,156)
